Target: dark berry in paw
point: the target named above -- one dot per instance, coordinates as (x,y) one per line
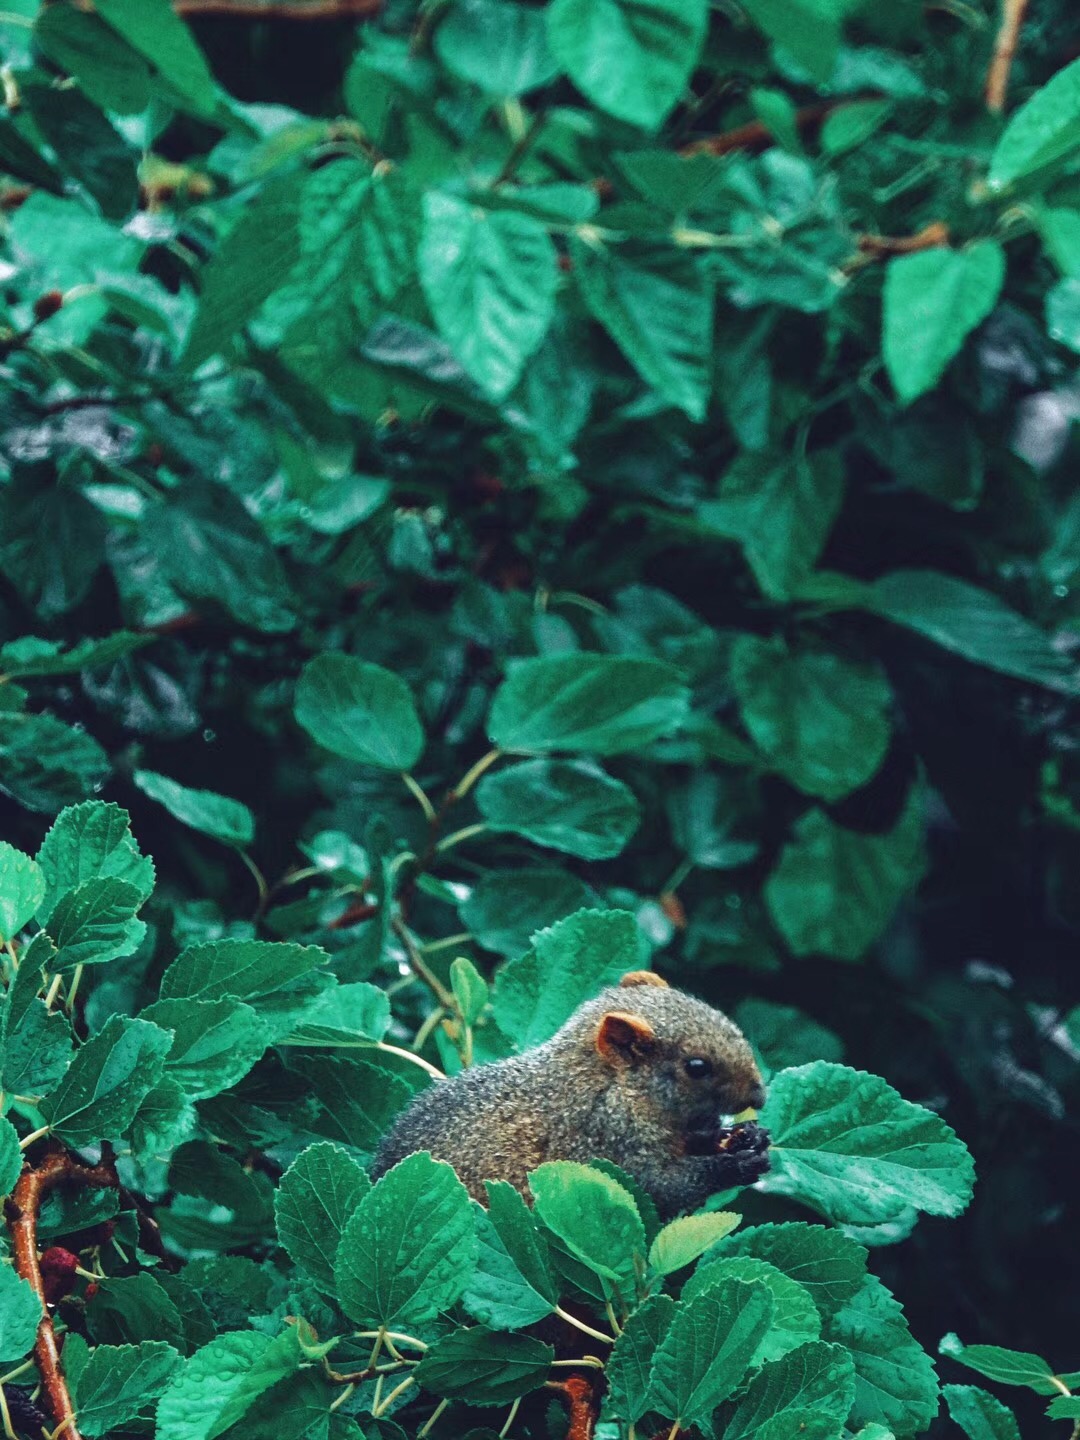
(746,1148)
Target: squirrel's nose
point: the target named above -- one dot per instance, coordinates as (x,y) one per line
(757,1095)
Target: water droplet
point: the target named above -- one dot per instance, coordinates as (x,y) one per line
(1061,591)
(208,735)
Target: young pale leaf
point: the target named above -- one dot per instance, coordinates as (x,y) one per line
(568,964)
(973,623)
(215,1042)
(20,1312)
(360,712)
(10,1160)
(490,278)
(512,1284)
(933,300)
(797,1319)
(96,922)
(253,260)
(568,805)
(238,969)
(594,1216)
(845,1143)
(22,889)
(1007,1367)
(219,1383)
(683,1240)
(470,989)
(979,1415)
(630,1365)
(1042,131)
(632,60)
(780,508)
(408,1252)
(86,842)
(116,1382)
(817,1376)
(226,820)
(110,1076)
(895,1384)
(317,1196)
(602,704)
(484,1367)
(658,308)
(835,890)
(819,720)
(707,1349)
(497,45)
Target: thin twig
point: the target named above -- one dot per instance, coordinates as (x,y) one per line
(280,9)
(56,1168)
(1008,37)
(418,965)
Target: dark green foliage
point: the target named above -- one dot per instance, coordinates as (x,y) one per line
(491,497)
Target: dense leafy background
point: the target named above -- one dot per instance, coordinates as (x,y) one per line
(353,374)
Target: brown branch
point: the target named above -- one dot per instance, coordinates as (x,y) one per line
(882,247)
(756,137)
(56,1168)
(583,1403)
(280,9)
(1008,36)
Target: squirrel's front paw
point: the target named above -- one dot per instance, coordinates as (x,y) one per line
(743,1153)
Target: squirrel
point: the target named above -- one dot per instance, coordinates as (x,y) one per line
(639,1076)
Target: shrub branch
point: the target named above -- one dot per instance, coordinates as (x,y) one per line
(1008,37)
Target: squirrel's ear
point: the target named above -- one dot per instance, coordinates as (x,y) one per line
(643,977)
(621,1036)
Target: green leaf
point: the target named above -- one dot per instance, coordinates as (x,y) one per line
(11,1159)
(507,907)
(595,1217)
(979,1415)
(111,73)
(1063,312)
(157,32)
(818,719)
(835,890)
(568,964)
(484,1367)
(845,1143)
(226,820)
(817,1376)
(359,711)
(469,988)
(407,1253)
(1007,1367)
(20,659)
(317,1195)
(238,969)
(512,1284)
(796,1320)
(657,305)
(342,1015)
(22,889)
(808,29)
(567,805)
(215,1042)
(96,922)
(45,764)
(129,1309)
(632,60)
(973,623)
(86,842)
(630,1365)
(35,1042)
(1041,132)
(498,46)
(357,1101)
(707,1350)
(828,1265)
(219,1383)
(107,1081)
(784,1036)
(490,278)
(933,300)
(119,1381)
(20,1312)
(602,704)
(780,509)
(895,1384)
(682,1241)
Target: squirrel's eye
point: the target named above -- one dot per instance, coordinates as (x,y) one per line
(697,1067)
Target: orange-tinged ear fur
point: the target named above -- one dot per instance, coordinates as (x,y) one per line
(643,977)
(621,1036)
